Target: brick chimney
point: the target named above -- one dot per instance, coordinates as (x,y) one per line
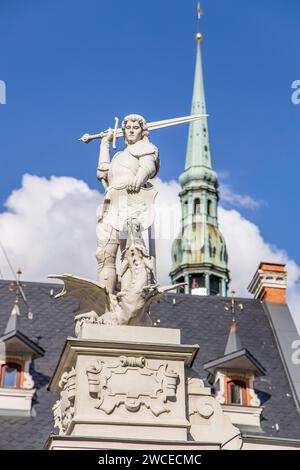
(269,283)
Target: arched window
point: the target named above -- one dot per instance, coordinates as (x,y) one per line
(236,392)
(222,249)
(209,207)
(10,375)
(186,208)
(197,206)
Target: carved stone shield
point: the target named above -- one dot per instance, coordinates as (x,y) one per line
(126,205)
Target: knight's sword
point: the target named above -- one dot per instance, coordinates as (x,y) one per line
(118,132)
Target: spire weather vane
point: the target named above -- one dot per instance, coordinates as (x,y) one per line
(232,306)
(199,14)
(199,11)
(18,286)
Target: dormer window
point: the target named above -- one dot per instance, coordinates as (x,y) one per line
(16,383)
(11,375)
(232,377)
(236,392)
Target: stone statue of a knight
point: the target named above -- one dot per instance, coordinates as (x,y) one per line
(128,193)
(127,211)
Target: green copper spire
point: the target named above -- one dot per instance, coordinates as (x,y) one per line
(198,159)
(198,152)
(199,253)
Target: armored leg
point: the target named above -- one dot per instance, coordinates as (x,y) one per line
(107,248)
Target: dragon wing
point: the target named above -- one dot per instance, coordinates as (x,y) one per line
(91,294)
(163,289)
(159,291)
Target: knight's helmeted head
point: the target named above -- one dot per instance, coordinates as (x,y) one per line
(134,128)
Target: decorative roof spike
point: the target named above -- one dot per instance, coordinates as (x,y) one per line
(17,286)
(233,343)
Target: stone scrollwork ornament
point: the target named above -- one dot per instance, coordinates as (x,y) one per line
(132,383)
(63,408)
(28,382)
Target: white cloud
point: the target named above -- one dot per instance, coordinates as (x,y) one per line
(167,226)
(229,197)
(49,226)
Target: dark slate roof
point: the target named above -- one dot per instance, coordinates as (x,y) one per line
(52,322)
(202,320)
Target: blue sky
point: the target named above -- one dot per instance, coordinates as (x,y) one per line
(71,66)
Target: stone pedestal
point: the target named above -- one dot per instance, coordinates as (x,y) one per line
(125,387)
(121,382)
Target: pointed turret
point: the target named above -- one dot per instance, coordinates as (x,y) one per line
(12,324)
(233,343)
(14,340)
(199,253)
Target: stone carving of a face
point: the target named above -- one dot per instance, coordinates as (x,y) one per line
(133,132)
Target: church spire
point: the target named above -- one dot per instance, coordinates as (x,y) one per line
(198,152)
(199,253)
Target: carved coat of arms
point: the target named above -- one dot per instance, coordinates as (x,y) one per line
(130,382)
